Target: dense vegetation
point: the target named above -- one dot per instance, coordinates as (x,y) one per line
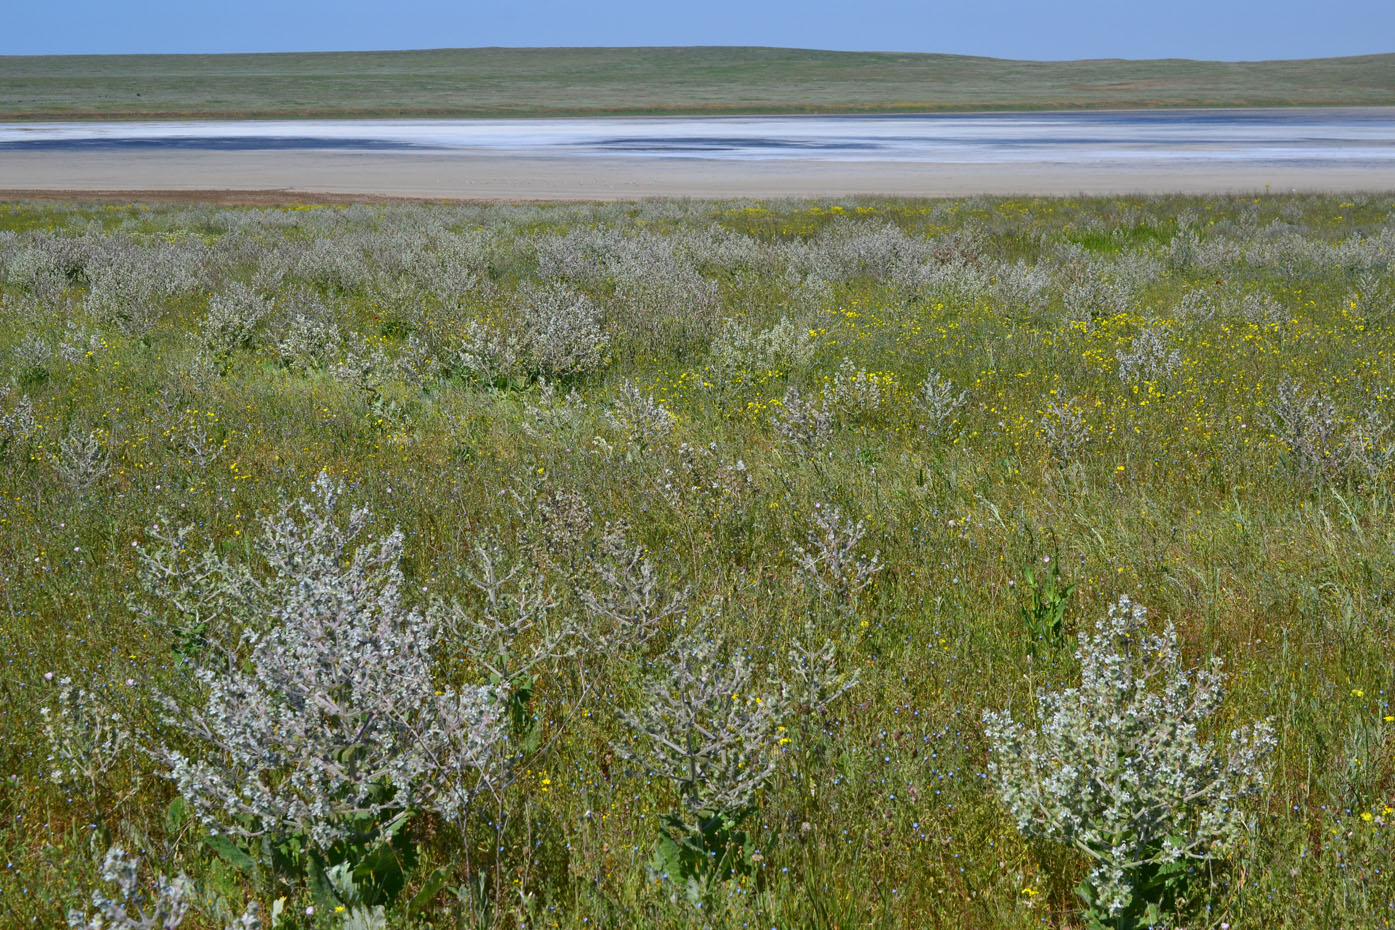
(636,81)
(687,564)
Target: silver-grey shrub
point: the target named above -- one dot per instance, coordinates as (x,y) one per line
(700,482)
(581,255)
(85,737)
(1117,767)
(78,344)
(854,395)
(552,415)
(654,288)
(1324,445)
(1021,288)
(32,355)
(128,284)
(233,316)
(804,424)
(1096,296)
(163,907)
(561,330)
(741,352)
(656,294)
(815,683)
(17,420)
(642,420)
(552,332)
(1259,309)
(830,562)
(329,721)
(1149,357)
(488,351)
(1373,298)
(708,725)
(711,727)
(1064,428)
(628,603)
(939,403)
(81,460)
(310,338)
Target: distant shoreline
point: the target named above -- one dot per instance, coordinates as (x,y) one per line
(290,177)
(633,82)
(671,113)
(698,115)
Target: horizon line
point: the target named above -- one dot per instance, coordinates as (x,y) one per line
(767,48)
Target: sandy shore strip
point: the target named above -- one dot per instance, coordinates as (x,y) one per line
(312,176)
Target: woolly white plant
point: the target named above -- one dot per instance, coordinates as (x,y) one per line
(1148,358)
(1117,769)
(831,564)
(712,728)
(331,723)
(1064,428)
(854,394)
(1323,444)
(939,404)
(644,421)
(707,726)
(562,329)
(628,603)
(803,424)
(163,907)
(86,739)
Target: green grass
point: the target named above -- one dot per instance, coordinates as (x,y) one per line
(495,82)
(1182,496)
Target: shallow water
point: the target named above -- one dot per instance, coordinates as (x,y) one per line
(1348,136)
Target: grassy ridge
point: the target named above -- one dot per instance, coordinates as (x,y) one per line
(497,82)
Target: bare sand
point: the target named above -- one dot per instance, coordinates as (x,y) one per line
(286,177)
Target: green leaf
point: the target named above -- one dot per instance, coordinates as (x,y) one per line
(176,815)
(321,890)
(432,887)
(391,828)
(379,875)
(230,852)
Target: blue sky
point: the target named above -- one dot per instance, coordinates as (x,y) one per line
(1043,29)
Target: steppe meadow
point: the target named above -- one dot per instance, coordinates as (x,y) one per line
(980,563)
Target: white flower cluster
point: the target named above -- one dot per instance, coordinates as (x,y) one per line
(1117,769)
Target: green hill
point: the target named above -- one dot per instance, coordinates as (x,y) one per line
(487,82)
